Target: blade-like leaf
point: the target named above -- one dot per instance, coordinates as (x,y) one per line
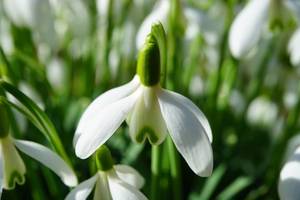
(235,187)
(36,116)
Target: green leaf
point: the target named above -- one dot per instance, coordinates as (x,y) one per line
(234,188)
(212,182)
(36,116)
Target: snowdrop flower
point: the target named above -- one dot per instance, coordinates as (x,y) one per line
(194,19)
(34,14)
(111,182)
(56,73)
(72,20)
(262,112)
(160,13)
(247,27)
(289,182)
(6,39)
(12,168)
(293,48)
(151,112)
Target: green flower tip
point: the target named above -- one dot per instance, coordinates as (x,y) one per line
(104,159)
(146,132)
(4,121)
(15,177)
(152,56)
(148,66)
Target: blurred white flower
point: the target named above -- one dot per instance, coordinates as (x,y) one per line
(12,168)
(6,40)
(262,112)
(247,27)
(120,182)
(160,14)
(72,20)
(290,95)
(36,15)
(237,102)
(196,87)
(56,73)
(289,182)
(294,48)
(151,112)
(194,18)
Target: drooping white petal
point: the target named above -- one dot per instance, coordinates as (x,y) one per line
(121,190)
(82,191)
(14,168)
(289,182)
(49,159)
(130,175)
(146,120)
(102,126)
(294,48)
(102,191)
(187,133)
(194,109)
(159,14)
(247,26)
(100,102)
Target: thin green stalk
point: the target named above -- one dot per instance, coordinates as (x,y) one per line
(175,170)
(222,54)
(155,171)
(106,74)
(256,83)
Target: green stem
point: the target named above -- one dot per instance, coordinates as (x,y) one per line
(155,170)
(107,45)
(175,170)
(222,52)
(256,83)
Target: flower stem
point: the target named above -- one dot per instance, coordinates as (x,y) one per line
(175,170)
(155,171)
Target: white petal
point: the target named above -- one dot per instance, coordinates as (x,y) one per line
(146,120)
(103,100)
(122,191)
(187,133)
(49,159)
(247,26)
(14,168)
(289,182)
(102,191)
(19,11)
(102,126)
(159,14)
(130,175)
(82,191)
(294,48)
(194,109)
